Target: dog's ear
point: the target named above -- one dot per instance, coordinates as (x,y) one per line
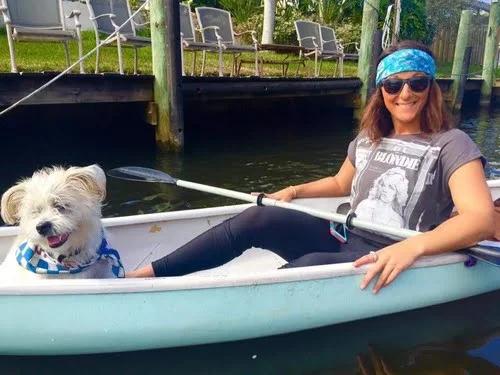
(91,179)
(11,200)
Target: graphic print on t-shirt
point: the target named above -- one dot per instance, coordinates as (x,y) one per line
(389,181)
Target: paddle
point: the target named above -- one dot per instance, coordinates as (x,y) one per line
(485,253)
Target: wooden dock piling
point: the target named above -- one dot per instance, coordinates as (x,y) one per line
(459,95)
(369,25)
(463,41)
(376,51)
(167,70)
(490,52)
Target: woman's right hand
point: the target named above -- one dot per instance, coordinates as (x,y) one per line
(285,195)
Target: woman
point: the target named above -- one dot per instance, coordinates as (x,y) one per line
(405,125)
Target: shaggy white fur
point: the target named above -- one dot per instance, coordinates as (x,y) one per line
(58,210)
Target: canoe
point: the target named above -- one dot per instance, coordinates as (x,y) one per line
(246,298)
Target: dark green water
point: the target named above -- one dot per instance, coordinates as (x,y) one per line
(445,339)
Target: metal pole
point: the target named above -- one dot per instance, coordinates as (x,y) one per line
(395,31)
(269,17)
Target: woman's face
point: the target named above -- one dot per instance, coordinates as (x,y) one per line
(406,106)
(387,192)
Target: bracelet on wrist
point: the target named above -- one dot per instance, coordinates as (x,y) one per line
(294,191)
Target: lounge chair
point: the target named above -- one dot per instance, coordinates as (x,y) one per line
(108,16)
(189,42)
(333,47)
(217,27)
(39,20)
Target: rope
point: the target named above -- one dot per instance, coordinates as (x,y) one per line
(43,87)
(476,72)
(386,24)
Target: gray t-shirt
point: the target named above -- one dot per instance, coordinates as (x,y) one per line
(403,180)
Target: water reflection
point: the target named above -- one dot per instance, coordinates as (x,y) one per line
(469,355)
(484,129)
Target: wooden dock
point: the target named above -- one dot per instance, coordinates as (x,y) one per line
(115,88)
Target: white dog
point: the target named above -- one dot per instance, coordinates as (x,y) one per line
(59,215)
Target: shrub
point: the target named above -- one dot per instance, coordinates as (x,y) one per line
(203,3)
(348,32)
(241,11)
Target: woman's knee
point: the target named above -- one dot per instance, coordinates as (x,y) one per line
(256,218)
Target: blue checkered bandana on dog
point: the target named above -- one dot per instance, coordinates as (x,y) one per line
(36,260)
(405,60)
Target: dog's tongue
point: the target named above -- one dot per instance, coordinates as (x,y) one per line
(55,241)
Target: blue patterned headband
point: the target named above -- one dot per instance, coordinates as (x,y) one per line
(405,60)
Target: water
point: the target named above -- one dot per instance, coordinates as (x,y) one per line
(263,156)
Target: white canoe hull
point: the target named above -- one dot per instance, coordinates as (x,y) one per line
(246,298)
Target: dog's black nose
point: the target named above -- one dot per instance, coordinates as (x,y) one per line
(44,227)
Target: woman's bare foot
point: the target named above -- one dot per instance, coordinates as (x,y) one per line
(146,271)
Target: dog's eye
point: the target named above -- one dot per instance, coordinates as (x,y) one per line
(59,207)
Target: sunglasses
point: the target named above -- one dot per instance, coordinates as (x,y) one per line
(393,86)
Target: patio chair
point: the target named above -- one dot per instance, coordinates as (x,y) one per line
(321,42)
(108,16)
(334,47)
(189,42)
(217,27)
(310,37)
(39,20)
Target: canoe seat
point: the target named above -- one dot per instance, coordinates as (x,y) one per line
(344,208)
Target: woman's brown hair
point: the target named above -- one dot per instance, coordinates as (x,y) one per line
(376,120)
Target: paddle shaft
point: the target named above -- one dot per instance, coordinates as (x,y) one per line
(337,218)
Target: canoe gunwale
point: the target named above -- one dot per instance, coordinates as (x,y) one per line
(161,284)
(191,282)
(152,218)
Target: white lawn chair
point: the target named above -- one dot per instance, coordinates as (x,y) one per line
(39,20)
(108,16)
(333,48)
(189,42)
(217,27)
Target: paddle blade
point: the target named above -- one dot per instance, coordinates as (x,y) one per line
(141,174)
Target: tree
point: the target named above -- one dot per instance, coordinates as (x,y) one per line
(445,14)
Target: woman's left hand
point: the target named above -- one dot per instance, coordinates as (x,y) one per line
(389,262)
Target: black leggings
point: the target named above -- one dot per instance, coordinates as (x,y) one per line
(299,238)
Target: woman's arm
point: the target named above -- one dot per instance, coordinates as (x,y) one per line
(336,186)
(475,222)
(476,214)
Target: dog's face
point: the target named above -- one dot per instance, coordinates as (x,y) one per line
(57,209)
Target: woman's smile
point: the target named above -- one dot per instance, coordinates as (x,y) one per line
(406,106)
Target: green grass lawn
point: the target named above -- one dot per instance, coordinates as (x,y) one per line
(475,71)
(39,57)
